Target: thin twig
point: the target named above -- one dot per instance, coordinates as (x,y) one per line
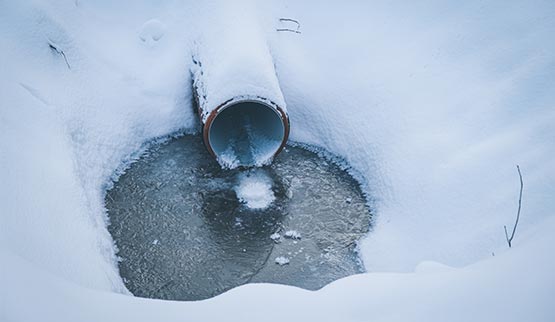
(59,52)
(297,31)
(510,240)
(290,30)
(507,236)
(291,20)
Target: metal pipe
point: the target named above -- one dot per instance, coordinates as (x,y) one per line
(245,131)
(242,111)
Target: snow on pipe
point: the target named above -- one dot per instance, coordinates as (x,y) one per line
(241,107)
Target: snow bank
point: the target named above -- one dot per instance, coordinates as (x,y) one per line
(65,130)
(509,287)
(432,105)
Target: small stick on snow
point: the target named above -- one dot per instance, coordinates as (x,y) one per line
(58,51)
(510,240)
(297,31)
(291,20)
(290,30)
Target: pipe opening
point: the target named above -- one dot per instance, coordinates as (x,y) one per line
(246,134)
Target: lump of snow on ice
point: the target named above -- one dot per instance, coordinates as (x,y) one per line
(282,260)
(293,234)
(254,189)
(275,237)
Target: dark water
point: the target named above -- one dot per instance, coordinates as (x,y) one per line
(182,233)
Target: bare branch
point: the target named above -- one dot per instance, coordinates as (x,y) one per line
(510,240)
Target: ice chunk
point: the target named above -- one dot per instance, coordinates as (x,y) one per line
(292,234)
(281,260)
(275,237)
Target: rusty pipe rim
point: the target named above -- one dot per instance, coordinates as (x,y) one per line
(234,101)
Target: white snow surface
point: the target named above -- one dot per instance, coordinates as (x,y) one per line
(254,189)
(431,103)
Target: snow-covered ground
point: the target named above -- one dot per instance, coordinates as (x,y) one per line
(432,104)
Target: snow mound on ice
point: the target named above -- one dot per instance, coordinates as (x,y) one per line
(292,234)
(254,189)
(281,260)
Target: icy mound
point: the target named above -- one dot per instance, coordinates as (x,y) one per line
(254,189)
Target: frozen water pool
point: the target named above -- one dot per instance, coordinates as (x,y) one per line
(188,230)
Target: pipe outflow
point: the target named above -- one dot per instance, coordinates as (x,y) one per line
(242,110)
(245,131)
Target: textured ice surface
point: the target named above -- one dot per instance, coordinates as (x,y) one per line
(215,229)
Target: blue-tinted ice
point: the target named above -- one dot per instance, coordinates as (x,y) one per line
(184,234)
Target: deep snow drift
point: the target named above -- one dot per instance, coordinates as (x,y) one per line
(432,104)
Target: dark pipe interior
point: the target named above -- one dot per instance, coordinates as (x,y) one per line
(246,133)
